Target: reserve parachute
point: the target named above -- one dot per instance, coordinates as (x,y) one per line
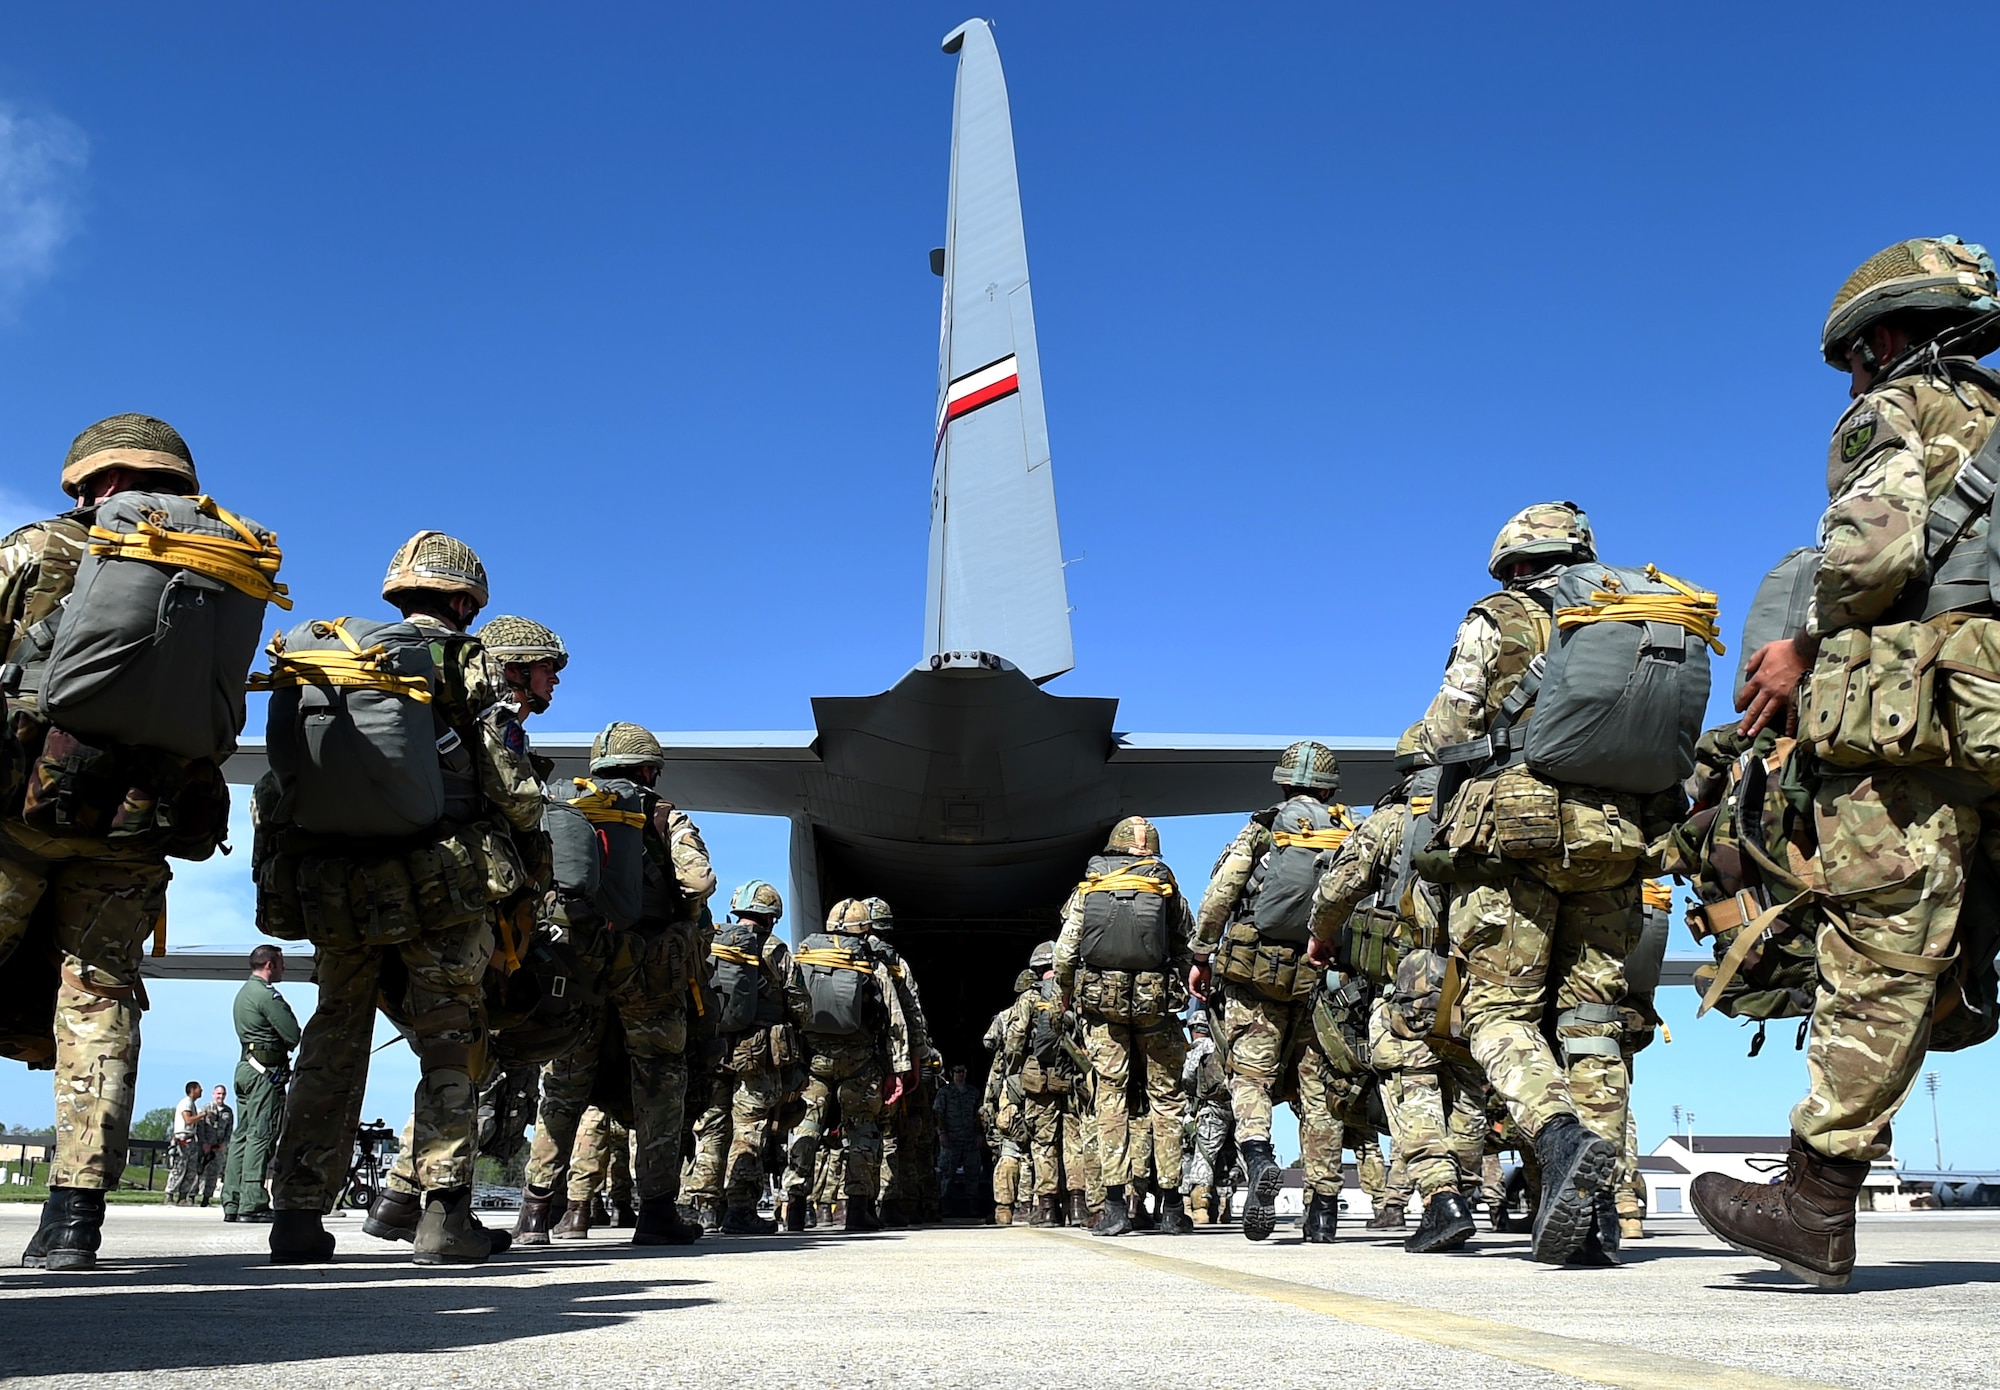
(1126,905)
(1304,834)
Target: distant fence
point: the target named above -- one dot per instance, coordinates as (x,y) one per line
(25,1158)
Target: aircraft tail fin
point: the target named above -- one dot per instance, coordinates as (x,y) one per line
(995,581)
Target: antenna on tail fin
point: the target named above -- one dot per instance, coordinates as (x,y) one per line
(995,584)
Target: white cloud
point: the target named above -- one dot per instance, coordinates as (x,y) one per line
(42,159)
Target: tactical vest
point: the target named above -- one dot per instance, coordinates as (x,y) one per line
(1278,898)
(738,981)
(1961,543)
(843,996)
(1127,903)
(1385,924)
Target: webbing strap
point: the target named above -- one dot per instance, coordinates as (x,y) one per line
(1687,607)
(359,667)
(1421,805)
(829,959)
(248,564)
(1969,498)
(600,807)
(732,954)
(1739,949)
(1896,960)
(1332,838)
(1656,894)
(1127,880)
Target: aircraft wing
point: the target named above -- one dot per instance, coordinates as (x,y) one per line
(1205,774)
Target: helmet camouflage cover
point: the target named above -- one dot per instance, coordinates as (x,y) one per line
(1043,956)
(625,745)
(1308,764)
(514,639)
(857,916)
(138,442)
(1941,275)
(1133,835)
(431,561)
(1549,533)
(757,897)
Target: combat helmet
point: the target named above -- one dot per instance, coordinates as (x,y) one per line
(1411,752)
(1043,956)
(1548,533)
(432,562)
(512,639)
(1941,277)
(625,745)
(1133,835)
(138,442)
(1308,764)
(857,917)
(759,898)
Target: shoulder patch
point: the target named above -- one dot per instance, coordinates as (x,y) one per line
(1858,434)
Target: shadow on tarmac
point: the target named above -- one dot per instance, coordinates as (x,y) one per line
(1929,1274)
(175,1313)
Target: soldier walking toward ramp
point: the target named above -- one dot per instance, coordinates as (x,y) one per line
(1036,1044)
(1253,924)
(267,1030)
(1904,801)
(1122,958)
(123,718)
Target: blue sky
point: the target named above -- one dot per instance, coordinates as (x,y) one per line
(635,299)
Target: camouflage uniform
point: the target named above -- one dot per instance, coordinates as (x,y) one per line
(440,1008)
(654,969)
(90,901)
(1132,1035)
(848,1070)
(1895,843)
(730,1135)
(601,1161)
(906,1177)
(1047,1081)
(1002,1108)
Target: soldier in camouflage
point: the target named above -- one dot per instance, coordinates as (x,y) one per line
(1125,976)
(1208,1135)
(866,1040)
(600,1177)
(655,997)
(439,585)
(90,899)
(1546,934)
(1900,832)
(1371,915)
(1000,1109)
(762,1062)
(907,1169)
(1253,921)
(1037,1046)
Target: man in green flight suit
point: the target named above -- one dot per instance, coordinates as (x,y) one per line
(267,1030)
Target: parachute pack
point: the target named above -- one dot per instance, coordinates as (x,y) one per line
(1620,694)
(153,643)
(737,983)
(843,999)
(351,730)
(1126,902)
(1779,609)
(613,816)
(1304,834)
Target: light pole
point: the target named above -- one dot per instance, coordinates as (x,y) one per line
(1937,1142)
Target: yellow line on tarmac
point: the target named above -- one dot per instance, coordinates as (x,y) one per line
(1604,1362)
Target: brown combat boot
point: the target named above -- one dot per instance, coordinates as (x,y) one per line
(1003,1214)
(1198,1208)
(575,1223)
(1050,1212)
(1387,1217)
(1805,1223)
(1079,1212)
(531,1227)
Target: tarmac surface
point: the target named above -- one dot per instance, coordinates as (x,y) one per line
(179,1291)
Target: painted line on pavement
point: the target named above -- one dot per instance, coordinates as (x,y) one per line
(1606,1363)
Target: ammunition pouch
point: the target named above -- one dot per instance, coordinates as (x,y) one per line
(1373,942)
(1527,815)
(1124,996)
(1340,1027)
(358,893)
(1276,970)
(137,797)
(1873,697)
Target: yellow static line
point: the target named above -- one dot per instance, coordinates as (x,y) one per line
(1603,1362)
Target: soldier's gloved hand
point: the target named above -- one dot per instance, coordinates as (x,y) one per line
(1200,979)
(1319,953)
(892,1089)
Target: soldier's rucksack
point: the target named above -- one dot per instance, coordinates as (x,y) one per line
(1620,694)
(616,810)
(1304,834)
(1126,906)
(739,975)
(351,731)
(842,998)
(156,639)
(576,850)
(1045,1029)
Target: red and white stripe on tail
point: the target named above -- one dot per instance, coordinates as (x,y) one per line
(993,382)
